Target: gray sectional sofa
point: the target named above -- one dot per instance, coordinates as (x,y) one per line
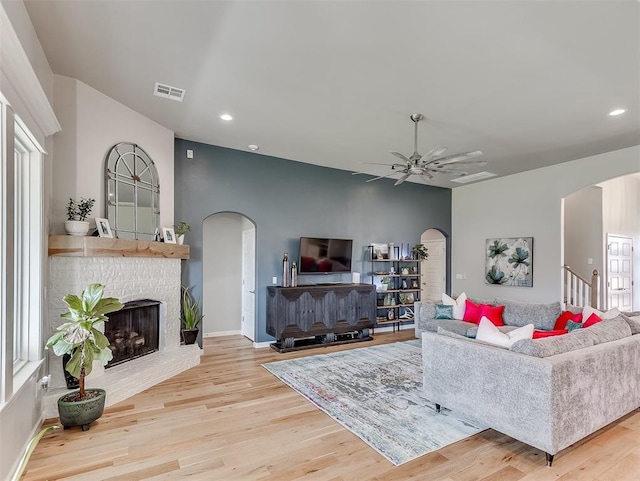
(548,393)
(515,314)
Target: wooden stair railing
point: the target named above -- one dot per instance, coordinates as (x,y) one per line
(580,292)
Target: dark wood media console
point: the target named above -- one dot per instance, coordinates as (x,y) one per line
(315,315)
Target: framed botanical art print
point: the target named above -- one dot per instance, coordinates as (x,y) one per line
(509,261)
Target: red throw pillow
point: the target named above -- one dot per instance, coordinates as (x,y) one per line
(593,319)
(555,332)
(472,312)
(493,313)
(566,316)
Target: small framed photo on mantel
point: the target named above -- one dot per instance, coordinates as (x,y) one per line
(169,235)
(104,229)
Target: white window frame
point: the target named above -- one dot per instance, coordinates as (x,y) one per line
(21,253)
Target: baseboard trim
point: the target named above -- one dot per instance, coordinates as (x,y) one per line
(221,333)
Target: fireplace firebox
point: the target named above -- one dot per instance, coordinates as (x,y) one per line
(133,331)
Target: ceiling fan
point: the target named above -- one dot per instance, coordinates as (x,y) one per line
(429,164)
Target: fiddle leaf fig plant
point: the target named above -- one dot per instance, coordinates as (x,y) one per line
(79,336)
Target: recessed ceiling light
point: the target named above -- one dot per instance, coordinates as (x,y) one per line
(615,112)
(226,117)
(253,147)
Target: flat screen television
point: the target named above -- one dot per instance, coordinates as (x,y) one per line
(324,256)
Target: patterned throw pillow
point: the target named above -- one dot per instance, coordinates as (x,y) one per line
(444,312)
(572,325)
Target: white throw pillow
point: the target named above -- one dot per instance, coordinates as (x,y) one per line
(459,305)
(488,332)
(610,314)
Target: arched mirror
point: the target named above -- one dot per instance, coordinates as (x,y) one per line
(133,192)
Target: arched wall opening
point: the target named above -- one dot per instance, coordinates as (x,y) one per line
(228,275)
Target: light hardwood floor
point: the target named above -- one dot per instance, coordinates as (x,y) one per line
(230,419)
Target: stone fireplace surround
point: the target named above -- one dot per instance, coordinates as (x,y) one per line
(127,278)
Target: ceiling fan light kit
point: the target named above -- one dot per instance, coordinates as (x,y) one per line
(431,163)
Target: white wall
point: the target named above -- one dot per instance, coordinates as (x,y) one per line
(26,81)
(92,123)
(525,204)
(583,231)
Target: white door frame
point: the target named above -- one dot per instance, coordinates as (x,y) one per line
(248,327)
(434,239)
(611,290)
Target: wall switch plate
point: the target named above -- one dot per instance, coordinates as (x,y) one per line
(189,154)
(590,261)
(459,276)
(274,280)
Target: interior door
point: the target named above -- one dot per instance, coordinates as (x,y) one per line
(248,283)
(619,272)
(434,270)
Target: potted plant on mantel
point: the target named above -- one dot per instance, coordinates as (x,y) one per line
(191,317)
(181,230)
(77,212)
(80,338)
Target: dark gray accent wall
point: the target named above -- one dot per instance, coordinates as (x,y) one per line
(287,200)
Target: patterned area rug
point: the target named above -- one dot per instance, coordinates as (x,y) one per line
(376,393)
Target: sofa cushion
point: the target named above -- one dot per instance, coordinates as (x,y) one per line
(610,314)
(550,346)
(572,325)
(488,332)
(443,312)
(459,327)
(566,316)
(473,312)
(493,313)
(556,332)
(591,320)
(543,316)
(458,304)
(608,330)
(634,323)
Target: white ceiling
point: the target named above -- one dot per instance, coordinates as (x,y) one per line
(332,83)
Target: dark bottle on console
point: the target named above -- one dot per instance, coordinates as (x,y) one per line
(286,279)
(294,274)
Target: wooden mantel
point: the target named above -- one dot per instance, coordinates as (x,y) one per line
(84,246)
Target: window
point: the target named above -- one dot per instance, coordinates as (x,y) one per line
(21,252)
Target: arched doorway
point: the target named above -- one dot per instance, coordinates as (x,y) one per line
(434,269)
(228,275)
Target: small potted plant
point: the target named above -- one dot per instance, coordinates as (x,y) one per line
(420,252)
(77,212)
(191,317)
(80,338)
(181,229)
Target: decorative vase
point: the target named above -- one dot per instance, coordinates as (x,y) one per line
(71,382)
(81,413)
(190,335)
(76,227)
(180,239)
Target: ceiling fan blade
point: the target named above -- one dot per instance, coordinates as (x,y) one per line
(426,177)
(376,163)
(451,171)
(435,152)
(403,178)
(382,177)
(478,163)
(401,156)
(456,158)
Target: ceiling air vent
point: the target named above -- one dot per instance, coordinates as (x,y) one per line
(473,177)
(169,92)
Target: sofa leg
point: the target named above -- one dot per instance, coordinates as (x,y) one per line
(549,459)
(437,408)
